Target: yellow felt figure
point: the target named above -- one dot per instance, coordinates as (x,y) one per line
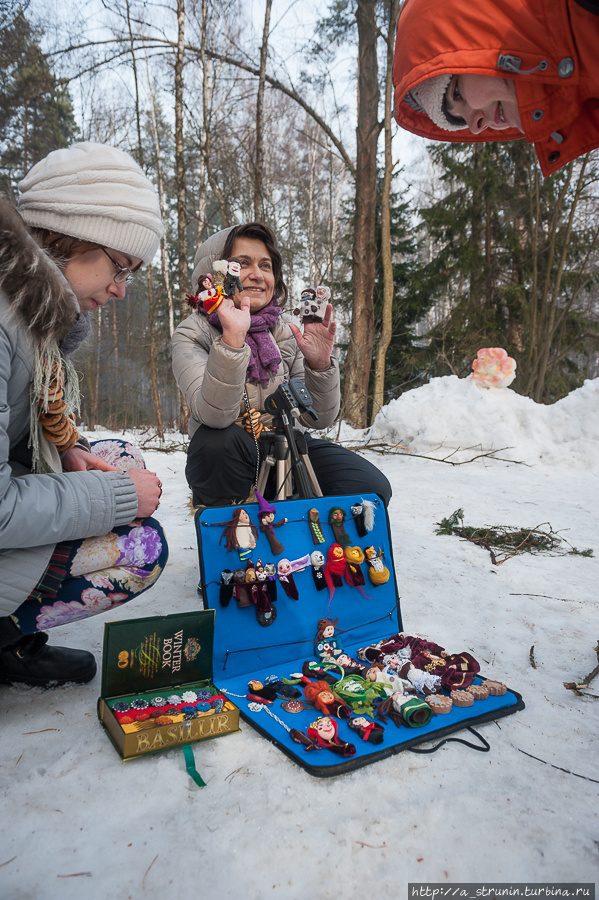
(377,570)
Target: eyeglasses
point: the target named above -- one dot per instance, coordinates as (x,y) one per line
(123,276)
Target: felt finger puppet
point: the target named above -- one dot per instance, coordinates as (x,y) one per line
(240,589)
(232,280)
(363,516)
(266,515)
(326,645)
(368,731)
(323,293)
(324,733)
(350,665)
(311,307)
(270,573)
(300,738)
(318,561)
(240,534)
(286,579)
(377,570)
(334,568)
(319,671)
(391,681)
(337,522)
(265,613)
(219,273)
(226,587)
(353,572)
(315,527)
(322,698)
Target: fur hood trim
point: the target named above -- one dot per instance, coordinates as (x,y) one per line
(33,283)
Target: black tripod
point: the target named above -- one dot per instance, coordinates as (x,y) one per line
(287,449)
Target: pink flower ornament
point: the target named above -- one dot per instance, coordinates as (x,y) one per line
(493,368)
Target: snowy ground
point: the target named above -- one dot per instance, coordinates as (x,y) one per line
(79,822)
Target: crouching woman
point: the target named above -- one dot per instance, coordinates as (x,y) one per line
(75,534)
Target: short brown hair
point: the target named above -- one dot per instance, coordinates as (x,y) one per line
(61,246)
(257,231)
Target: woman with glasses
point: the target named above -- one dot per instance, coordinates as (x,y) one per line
(75,534)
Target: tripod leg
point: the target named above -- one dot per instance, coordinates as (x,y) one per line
(312,475)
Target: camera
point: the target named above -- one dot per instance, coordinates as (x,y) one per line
(291,397)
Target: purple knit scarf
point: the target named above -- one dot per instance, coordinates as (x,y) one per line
(264,355)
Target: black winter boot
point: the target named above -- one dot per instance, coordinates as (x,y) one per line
(31,661)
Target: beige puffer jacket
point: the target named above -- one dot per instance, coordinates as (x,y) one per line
(211,375)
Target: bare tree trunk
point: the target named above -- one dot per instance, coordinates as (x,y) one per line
(153,369)
(140,152)
(359,354)
(387,318)
(181,185)
(160,179)
(259,164)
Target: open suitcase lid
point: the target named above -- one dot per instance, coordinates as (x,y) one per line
(245,650)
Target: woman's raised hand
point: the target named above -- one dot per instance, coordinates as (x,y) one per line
(317,341)
(235,322)
(149,490)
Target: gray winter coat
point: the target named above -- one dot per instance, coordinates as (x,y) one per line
(38,511)
(211,375)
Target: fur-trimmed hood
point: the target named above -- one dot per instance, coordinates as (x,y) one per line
(33,283)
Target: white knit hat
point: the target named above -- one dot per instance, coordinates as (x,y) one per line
(95,193)
(430,97)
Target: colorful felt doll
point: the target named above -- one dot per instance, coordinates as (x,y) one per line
(286,579)
(456,670)
(351,666)
(270,571)
(317,559)
(368,731)
(265,613)
(405,710)
(232,281)
(353,572)
(359,694)
(241,534)
(315,527)
(322,698)
(312,304)
(363,516)
(240,589)
(326,645)
(266,515)
(324,732)
(334,569)
(377,570)
(337,522)
(389,678)
(226,587)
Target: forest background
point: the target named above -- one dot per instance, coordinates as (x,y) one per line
(282,111)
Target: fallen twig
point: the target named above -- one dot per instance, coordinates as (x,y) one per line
(12,859)
(76,875)
(559,768)
(393,449)
(39,732)
(371,846)
(545,596)
(578,688)
(531,656)
(143,880)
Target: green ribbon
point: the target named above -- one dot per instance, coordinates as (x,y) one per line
(190,765)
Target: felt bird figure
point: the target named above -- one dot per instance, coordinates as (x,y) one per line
(337,522)
(363,516)
(377,571)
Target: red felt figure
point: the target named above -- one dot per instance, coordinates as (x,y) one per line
(240,589)
(321,696)
(353,572)
(240,534)
(266,515)
(265,613)
(334,569)
(337,522)
(324,733)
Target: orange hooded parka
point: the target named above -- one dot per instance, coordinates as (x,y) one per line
(550,48)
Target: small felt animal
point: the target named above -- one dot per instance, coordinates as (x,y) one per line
(318,561)
(315,527)
(240,589)
(337,522)
(377,570)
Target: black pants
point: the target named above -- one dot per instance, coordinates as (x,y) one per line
(221,467)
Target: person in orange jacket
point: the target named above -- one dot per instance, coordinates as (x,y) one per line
(490,70)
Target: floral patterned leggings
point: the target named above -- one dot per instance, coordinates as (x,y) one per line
(92,575)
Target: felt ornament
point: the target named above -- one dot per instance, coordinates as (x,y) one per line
(363,516)
(240,534)
(318,561)
(353,572)
(226,587)
(326,645)
(286,579)
(334,569)
(315,527)
(321,696)
(240,589)
(232,280)
(368,731)
(266,515)
(337,522)
(323,732)
(377,570)
(311,306)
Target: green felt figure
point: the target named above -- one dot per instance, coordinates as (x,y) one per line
(337,517)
